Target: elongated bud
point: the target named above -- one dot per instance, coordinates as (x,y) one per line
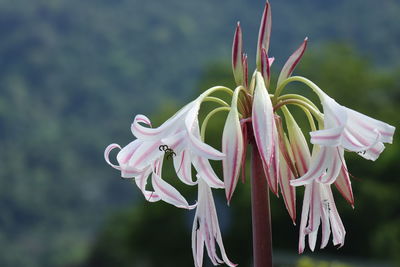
(292,62)
(237,56)
(288,191)
(264,34)
(245,71)
(298,143)
(265,68)
(232,147)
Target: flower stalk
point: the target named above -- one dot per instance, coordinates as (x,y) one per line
(260,212)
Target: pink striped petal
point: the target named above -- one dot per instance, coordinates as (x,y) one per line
(316,169)
(265,67)
(288,191)
(141,182)
(237,59)
(264,33)
(333,165)
(183,167)
(291,63)
(232,147)
(206,229)
(304,217)
(206,172)
(343,184)
(107,152)
(168,193)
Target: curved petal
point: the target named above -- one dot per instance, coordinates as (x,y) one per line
(206,172)
(317,167)
(141,182)
(333,166)
(107,152)
(183,167)
(169,126)
(168,193)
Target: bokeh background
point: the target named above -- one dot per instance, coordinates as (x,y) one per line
(74,73)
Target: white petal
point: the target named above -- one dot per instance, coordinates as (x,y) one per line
(317,167)
(206,172)
(141,182)
(333,165)
(107,152)
(183,167)
(168,193)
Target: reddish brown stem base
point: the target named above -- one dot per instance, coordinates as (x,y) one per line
(260,210)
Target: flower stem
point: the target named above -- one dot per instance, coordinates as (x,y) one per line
(261,216)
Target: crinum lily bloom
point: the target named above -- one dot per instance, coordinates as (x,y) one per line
(318,204)
(280,156)
(179,138)
(344,129)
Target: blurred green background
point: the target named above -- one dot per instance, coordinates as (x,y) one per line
(74,73)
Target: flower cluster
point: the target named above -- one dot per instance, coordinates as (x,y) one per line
(255,117)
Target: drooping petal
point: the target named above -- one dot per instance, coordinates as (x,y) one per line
(141,182)
(333,165)
(204,169)
(206,229)
(343,184)
(304,217)
(324,168)
(183,167)
(292,62)
(314,216)
(196,146)
(264,33)
(168,193)
(338,230)
(288,191)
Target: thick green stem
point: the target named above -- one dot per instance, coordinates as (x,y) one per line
(261,213)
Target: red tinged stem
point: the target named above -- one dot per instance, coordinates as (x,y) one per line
(261,214)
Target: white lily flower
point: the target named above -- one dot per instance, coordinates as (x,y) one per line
(351,130)
(206,229)
(347,129)
(177,138)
